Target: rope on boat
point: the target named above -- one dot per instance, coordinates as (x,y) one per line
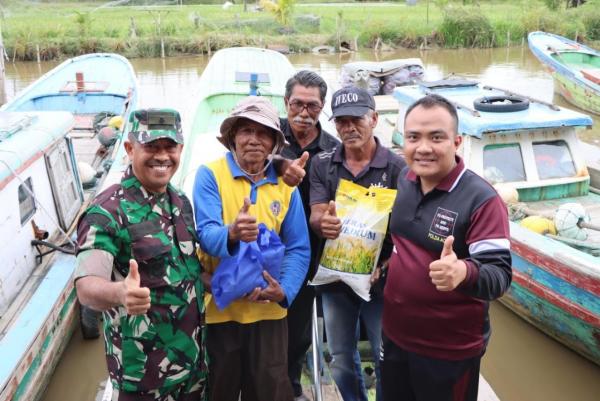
(587,246)
(518,208)
(471,111)
(37,242)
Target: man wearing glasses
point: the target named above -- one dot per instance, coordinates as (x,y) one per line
(304,99)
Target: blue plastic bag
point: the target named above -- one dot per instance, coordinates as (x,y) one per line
(239,274)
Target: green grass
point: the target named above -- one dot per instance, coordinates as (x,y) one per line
(66,29)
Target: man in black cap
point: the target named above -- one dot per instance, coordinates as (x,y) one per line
(363,160)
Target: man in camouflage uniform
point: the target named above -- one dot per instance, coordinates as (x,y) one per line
(138,264)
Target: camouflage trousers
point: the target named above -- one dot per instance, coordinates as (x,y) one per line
(193,389)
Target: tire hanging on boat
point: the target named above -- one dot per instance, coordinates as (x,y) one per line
(501,104)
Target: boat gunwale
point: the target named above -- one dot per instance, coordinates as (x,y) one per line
(544,55)
(25,93)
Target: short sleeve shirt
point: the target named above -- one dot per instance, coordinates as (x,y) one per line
(323,142)
(328,167)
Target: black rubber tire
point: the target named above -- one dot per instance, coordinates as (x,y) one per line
(497,104)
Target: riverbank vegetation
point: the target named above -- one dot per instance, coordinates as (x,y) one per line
(53,29)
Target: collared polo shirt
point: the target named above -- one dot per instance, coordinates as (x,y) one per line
(219,191)
(451,325)
(328,167)
(323,142)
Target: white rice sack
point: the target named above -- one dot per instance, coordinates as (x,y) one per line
(352,256)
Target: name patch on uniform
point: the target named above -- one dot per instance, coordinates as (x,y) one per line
(275,207)
(442,225)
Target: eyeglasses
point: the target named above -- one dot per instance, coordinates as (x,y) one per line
(311,107)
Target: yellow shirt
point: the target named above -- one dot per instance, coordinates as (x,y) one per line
(270,203)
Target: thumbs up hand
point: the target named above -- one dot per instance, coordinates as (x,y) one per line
(294,172)
(244,228)
(448,271)
(331,225)
(134,298)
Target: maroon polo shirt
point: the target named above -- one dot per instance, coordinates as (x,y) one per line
(451,325)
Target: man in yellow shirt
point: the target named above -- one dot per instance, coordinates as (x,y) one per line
(247,340)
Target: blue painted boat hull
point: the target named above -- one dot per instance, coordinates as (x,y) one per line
(559,299)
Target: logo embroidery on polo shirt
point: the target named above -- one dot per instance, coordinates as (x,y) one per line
(442,225)
(275,207)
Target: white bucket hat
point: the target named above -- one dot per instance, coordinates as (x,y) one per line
(258,109)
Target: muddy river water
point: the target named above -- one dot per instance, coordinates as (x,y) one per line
(522,364)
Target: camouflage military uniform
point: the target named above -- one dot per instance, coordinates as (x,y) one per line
(159,354)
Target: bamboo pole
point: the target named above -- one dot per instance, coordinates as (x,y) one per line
(157,16)
(162,40)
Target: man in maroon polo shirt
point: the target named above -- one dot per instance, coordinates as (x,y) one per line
(451,256)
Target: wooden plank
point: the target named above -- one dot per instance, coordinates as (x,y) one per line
(329,392)
(593,74)
(486,393)
(556,267)
(84,121)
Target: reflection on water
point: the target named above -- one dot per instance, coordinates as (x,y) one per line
(172,82)
(521,364)
(80,371)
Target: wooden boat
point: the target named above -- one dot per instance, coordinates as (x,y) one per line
(44,133)
(535,151)
(231,75)
(591,154)
(574,67)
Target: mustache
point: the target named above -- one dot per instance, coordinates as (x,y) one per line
(306,120)
(350,135)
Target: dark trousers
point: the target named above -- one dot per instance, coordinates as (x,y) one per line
(248,358)
(299,334)
(410,377)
